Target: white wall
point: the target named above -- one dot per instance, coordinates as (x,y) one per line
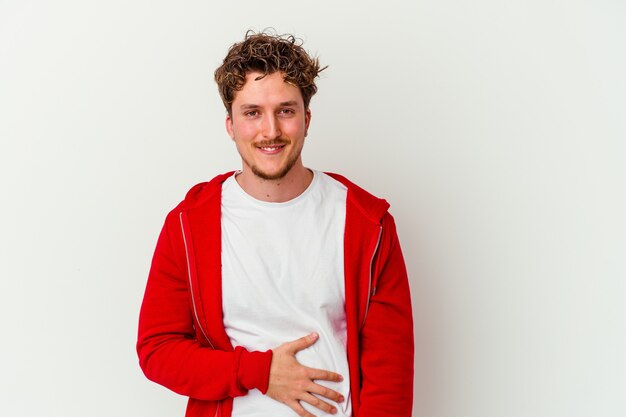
(496,129)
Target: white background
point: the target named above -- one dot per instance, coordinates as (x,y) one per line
(496,129)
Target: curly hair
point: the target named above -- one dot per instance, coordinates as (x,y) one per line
(267,53)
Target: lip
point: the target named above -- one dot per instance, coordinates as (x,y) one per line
(271,150)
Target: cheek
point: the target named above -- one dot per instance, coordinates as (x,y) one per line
(295,129)
(244,131)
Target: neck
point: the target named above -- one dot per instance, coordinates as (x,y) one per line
(276,191)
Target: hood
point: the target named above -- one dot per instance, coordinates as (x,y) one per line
(200,193)
(372,207)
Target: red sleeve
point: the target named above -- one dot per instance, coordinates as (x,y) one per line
(169,353)
(387,335)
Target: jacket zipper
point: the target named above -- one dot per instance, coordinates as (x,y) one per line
(193,300)
(369,287)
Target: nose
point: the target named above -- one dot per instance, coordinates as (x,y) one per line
(271,127)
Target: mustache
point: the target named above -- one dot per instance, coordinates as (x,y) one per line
(273,142)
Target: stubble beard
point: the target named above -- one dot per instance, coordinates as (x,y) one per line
(278,175)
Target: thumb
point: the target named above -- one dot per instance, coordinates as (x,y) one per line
(304,342)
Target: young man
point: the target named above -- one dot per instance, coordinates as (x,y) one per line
(278,290)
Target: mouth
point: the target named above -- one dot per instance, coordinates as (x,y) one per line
(271,148)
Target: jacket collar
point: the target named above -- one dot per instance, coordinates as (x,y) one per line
(373,208)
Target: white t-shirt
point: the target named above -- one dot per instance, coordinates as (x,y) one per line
(283,278)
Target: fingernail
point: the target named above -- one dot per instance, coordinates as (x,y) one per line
(340,378)
(314,336)
(341,399)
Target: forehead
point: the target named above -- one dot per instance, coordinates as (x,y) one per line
(268,89)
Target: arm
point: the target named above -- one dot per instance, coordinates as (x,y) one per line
(387,335)
(168,349)
(171,355)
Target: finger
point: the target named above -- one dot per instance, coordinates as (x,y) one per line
(325,392)
(297,407)
(319,404)
(302,343)
(324,375)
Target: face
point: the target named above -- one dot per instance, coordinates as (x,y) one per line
(268,123)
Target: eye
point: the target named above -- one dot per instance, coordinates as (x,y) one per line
(251,113)
(287,112)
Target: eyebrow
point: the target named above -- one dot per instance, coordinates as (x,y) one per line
(256,106)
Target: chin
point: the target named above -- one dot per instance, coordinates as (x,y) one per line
(273,172)
(269,176)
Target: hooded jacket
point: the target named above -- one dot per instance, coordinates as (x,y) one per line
(182,343)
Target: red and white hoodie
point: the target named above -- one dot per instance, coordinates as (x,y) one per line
(182,343)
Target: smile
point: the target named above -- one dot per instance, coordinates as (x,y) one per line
(271,149)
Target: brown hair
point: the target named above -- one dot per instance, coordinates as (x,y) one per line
(267,53)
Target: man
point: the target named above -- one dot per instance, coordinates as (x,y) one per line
(278,290)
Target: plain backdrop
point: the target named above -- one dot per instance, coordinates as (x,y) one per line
(496,130)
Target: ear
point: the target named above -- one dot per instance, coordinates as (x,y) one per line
(307,121)
(229,126)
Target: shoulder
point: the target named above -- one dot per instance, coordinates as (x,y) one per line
(201,194)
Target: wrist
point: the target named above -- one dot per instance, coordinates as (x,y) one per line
(254,369)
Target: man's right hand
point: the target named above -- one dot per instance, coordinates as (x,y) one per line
(290,382)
